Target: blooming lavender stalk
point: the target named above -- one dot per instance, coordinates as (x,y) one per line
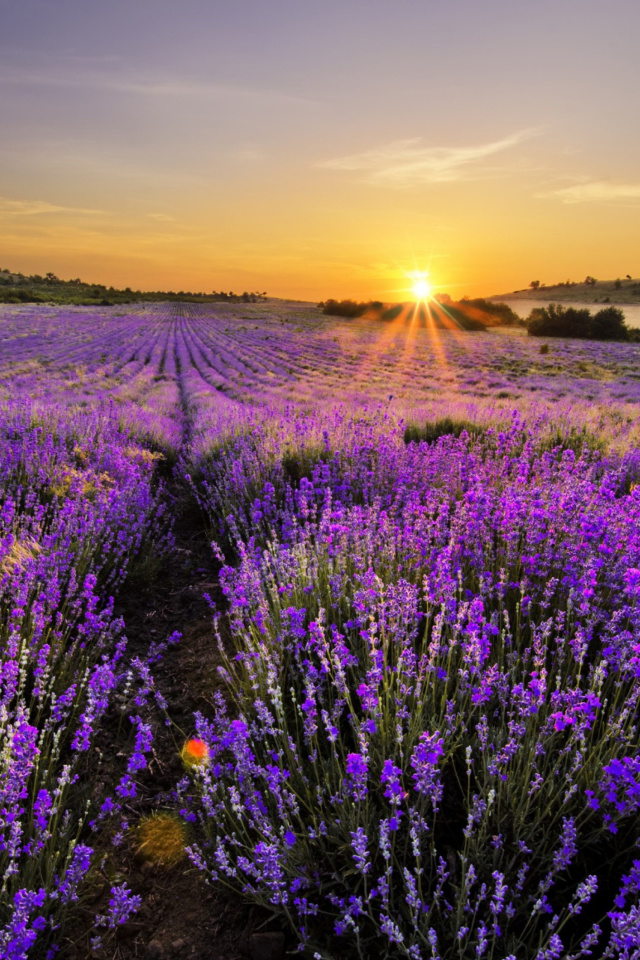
(444,676)
(75,508)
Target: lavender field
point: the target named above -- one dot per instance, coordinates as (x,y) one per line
(422,741)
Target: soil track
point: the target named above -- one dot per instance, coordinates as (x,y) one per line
(181,916)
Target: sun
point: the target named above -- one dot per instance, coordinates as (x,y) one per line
(421,288)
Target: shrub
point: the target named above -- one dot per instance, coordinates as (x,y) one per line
(501,312)
(344,308)
(558,321)
(433,748)
(470,324)
(609,324)
(433,430)
(572,438)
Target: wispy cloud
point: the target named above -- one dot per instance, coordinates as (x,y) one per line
(31,208)
(79,75)
(594,191)
(406,163)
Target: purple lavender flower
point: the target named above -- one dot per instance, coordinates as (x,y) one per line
(390,776)
(357,772)
(359,843)
(122,903)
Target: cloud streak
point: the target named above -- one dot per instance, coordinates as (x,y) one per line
(595,191)
(34,208)
(407,163)
(145,86)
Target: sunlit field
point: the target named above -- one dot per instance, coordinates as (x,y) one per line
(174,370)
(422,738)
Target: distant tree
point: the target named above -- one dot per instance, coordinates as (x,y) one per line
(493,312)
(558,321)
(618,284)
(628,276)
(609,324)
(534,284)
(590,281)
(344,308)
(51,278)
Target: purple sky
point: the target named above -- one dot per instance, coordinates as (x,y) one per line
(309,146)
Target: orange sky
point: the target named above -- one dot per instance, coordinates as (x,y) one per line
(320,150)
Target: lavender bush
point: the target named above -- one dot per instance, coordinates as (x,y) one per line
(76,505)
(432,749)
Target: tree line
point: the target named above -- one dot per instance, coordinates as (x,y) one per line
(470,314)
(579,323)
(34,288)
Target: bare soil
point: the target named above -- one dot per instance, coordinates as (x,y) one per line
(181,915)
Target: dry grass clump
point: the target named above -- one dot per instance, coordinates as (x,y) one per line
(19,554)
(161,839)
(140,455)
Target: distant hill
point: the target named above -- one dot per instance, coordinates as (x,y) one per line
(21,288)
(591,291)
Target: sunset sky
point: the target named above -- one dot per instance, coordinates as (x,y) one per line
(316,148)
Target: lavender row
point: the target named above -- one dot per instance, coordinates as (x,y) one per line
(185,370)
(433,745)
(77,503)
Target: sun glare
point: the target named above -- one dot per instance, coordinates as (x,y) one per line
(421,288)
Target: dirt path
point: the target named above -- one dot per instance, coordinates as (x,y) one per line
(181,916)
